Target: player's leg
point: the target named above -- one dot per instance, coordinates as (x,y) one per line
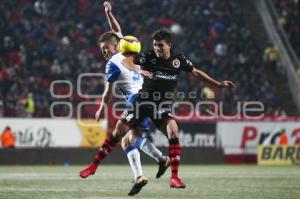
(148,148)
(132,153)
(105,149)
(169,127)
(141,122)
(133,156)
(142,143)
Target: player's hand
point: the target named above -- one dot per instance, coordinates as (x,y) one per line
(146,73)
(98,114)
(107,6)
(227,84)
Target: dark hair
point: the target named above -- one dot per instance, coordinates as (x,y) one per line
(162,34)
(108,36)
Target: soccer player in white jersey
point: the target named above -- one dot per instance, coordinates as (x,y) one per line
(131,83)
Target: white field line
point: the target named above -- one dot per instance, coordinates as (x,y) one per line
(75,176)
(62,176)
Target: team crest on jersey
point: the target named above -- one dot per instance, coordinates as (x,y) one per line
(176,63)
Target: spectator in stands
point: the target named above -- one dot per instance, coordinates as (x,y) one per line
(289,15)
(30,105)
(271,55)
(43,41)
(7,138)
(283,139)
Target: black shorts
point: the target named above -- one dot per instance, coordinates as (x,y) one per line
(158,112)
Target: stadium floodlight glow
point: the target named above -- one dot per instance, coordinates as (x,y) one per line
(79,81)
(69,104)
(69,83)
(79,108)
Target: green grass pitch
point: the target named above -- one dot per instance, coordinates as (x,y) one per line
(110,181)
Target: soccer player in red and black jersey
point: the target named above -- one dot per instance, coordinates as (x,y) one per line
(155,97)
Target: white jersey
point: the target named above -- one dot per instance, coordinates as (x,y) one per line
(129,82)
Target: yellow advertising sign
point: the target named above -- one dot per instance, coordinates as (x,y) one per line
(93,134)
(278,155)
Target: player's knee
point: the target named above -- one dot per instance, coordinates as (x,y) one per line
(172,129)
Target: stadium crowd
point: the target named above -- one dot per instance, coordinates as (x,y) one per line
(289,14)
(43,41)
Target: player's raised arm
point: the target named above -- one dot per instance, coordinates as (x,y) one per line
(113,23)
(105,99)
(205,77)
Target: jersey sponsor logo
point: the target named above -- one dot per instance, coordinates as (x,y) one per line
(161,75)
(176,63)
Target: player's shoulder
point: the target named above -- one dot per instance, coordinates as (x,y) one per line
(178,55)
(180,59)
(113,63)
(116,58)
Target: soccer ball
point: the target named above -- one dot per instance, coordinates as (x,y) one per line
(129,44)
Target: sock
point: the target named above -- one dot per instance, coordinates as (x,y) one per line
(148,148)
(174,154)
(133,156)
(105,149)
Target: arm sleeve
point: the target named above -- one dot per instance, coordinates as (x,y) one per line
(187,65)
(112,72)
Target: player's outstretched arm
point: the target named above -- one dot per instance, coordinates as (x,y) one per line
(105,100)
(113,23)
(205,77)
(128,63)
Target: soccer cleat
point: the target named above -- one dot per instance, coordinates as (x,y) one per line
(163,166)
(138,185)
(90,170)
(176,183)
